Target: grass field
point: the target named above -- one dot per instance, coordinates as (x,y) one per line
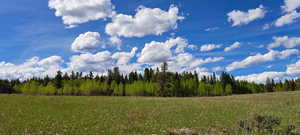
(42,115)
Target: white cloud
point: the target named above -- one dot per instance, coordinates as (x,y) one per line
(186,61)
(124,57)
(127,68)
(233,46)
(262,77)
(52,61)
(157,52)
(288,42)
(210,47)
(238,17)
(216,69)
(146,21)
(87,42)
(74,12)
(202,72)
(266,26)
(288,18)
(211,29)
(287,53)
(173,52)
(198,61)
(294,69)
(291,15)
(193,47)
(290,5)
(98,62)
(261,58)
(116,41)
(33,67)
(101,61)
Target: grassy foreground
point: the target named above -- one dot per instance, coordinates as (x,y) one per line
(42,115)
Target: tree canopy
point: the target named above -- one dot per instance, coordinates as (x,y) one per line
(151,82)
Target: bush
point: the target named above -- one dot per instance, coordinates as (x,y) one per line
(260,123)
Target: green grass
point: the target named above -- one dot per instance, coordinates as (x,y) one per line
(42,115)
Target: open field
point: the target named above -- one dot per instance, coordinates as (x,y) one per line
(42,115)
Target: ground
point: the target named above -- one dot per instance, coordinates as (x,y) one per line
(68,115)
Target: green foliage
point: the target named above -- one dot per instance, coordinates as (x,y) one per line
(203,89)
(31,87)
(140,88)
(49,89)
(150,83)
(228,89)
(218,89)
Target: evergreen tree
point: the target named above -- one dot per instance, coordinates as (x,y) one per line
(269,85)
(91,75)
(151,83)
(58,80)
(163,79)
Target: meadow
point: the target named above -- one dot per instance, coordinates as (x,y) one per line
(83,115)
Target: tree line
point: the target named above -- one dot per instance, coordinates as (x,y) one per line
(152,82)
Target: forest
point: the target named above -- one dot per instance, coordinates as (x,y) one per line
(152,82)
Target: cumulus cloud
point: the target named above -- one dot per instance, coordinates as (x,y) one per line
(261,58)
(288,18)
(210,47)
(238,17)
(116,41)
(101,61)
(157,52)
(287,53)
(33,67)
(288,42)
(173,52)
(262,77)
(186,61)
(98,62)
(124,57)
(89,41)
(291,15)
(294,69)
(146,21)
(290,5)
(233,46)
(74,12)
(52,61)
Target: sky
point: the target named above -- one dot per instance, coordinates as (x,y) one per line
(251,39)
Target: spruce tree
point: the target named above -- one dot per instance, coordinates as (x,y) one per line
(58,80)
(163,79)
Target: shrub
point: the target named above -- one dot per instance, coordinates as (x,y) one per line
(260,123)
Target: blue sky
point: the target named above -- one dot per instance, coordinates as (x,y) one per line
(31,29)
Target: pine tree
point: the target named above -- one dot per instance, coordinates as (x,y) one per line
(163,79)
(91,75)
(58,80)
(147,75)
(66,76)
(269,85)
